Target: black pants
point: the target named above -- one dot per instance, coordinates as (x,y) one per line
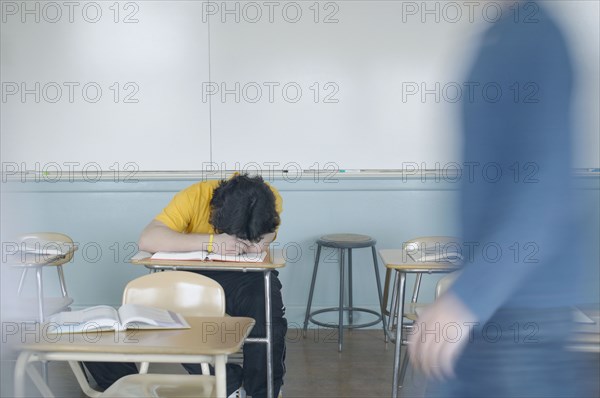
(244,294)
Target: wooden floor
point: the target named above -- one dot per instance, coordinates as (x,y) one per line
(315,368)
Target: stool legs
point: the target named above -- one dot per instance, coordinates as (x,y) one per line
(341,320)
(312,289)
(350,306)
(342,289)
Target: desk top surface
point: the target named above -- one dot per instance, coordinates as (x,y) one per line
(207,336)
(401,260)
(143,258)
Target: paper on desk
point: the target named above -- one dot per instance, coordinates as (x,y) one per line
(205,256)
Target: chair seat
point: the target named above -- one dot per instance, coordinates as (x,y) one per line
(346,241)
(163,386)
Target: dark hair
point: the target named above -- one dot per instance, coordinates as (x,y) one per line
(245,207)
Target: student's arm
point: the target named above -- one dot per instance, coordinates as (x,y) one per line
(158,237)
(262,245)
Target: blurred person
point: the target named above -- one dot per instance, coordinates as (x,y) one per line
(238,215)
(501,328)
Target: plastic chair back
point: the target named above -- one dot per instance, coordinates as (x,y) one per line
(186,293)
(444,283)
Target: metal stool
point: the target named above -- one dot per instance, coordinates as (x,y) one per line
(344,242)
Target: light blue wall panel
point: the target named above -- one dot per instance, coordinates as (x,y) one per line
(106,218)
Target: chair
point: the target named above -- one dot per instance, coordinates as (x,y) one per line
(45,249)
(412,247)
(344,242)
(442,285)
(186,293)
(435,247)
(440,246)
(161,386)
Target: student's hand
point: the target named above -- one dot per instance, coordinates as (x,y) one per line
(260,246)
(228,244)
(440,336)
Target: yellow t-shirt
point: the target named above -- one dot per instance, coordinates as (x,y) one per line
(189,210)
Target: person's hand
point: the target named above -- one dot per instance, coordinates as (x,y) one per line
(260,246)
(440,336)
(228,244)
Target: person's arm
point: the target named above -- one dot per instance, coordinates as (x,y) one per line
(436,355)
(262,245)
(158,237)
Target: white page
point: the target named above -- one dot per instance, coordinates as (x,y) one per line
(98,317)
(144,317)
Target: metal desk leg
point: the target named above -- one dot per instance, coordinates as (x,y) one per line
(381,303)
(312,290)
(269,329)
(399,313)
(393,309)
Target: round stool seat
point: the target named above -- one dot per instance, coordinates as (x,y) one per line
(346,241)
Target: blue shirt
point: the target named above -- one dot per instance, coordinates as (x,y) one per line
(517,209)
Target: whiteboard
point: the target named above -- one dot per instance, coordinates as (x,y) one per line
(197,85)
(116,87)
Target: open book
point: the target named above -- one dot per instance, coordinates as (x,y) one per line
(206,256)
(104,317)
